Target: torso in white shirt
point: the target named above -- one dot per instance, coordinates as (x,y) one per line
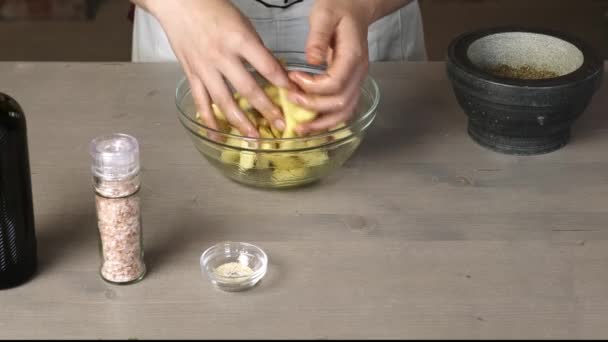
(396,37)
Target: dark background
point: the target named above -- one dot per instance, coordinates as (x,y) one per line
(85,30)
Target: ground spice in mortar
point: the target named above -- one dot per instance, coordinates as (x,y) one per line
(525,72)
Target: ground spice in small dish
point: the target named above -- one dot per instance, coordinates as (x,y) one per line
(525,72)
(233,270)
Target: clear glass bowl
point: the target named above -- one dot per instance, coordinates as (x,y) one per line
(243,254)
(299,161)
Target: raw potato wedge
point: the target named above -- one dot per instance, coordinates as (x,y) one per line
(290,122)
(263,122)
(243,102)
(222,126)
(218,113)
(252,118)
(276,132)
(273,93)
(292,145)
(263,162)
(343,134)
(316,142)
(286,161)
(247,158)
(282,176)
(287,166)
(230,156)
(314,158)
(294,114)
(265,132)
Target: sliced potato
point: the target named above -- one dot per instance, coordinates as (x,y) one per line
(342,134)
(302,115)
(244,104)
(265,132)
(252,118)
(218,112)
(263,122)
(288,110)
(316,142)
(230,156)
(281,176)
(297,113)
(292,145)
(223,126)
(273,93)
(287,166)
(247,158)
(285,161)
(275,132)
(235,142)
(313,159)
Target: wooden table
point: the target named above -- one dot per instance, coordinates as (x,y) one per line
(423,234)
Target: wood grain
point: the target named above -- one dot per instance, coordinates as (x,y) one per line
(423,234)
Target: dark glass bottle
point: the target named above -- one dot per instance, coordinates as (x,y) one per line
(18,258)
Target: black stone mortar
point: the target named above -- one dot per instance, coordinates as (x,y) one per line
(517,116)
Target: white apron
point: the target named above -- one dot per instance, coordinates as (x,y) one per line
(396,37)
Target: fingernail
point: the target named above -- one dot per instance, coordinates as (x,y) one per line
(315,56)
(217,137)
(277,113)
(279,124)
(294,75)
(253,133)
(293,83)
(296,98)
(292,86)
(301,130)
(315,60)
(301,76)
(284,83)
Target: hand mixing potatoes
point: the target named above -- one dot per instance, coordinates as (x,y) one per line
(277,159)
(287,166)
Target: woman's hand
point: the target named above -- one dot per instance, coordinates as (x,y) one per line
(212,40)
(338,37)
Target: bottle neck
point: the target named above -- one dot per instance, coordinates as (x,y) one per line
(11,114)
(116,188)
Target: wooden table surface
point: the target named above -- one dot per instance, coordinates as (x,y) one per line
(423,234)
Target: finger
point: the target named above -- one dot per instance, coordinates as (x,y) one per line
(349,53)
(323,25)
(331,103)
(267,65)
(244,82)
(218,90)
(334,80)
(328,121)
(202,102)
(330,56)
(203,105)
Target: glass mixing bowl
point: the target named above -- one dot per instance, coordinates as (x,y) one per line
(280,163)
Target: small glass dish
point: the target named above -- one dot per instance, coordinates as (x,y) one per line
(243,265)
